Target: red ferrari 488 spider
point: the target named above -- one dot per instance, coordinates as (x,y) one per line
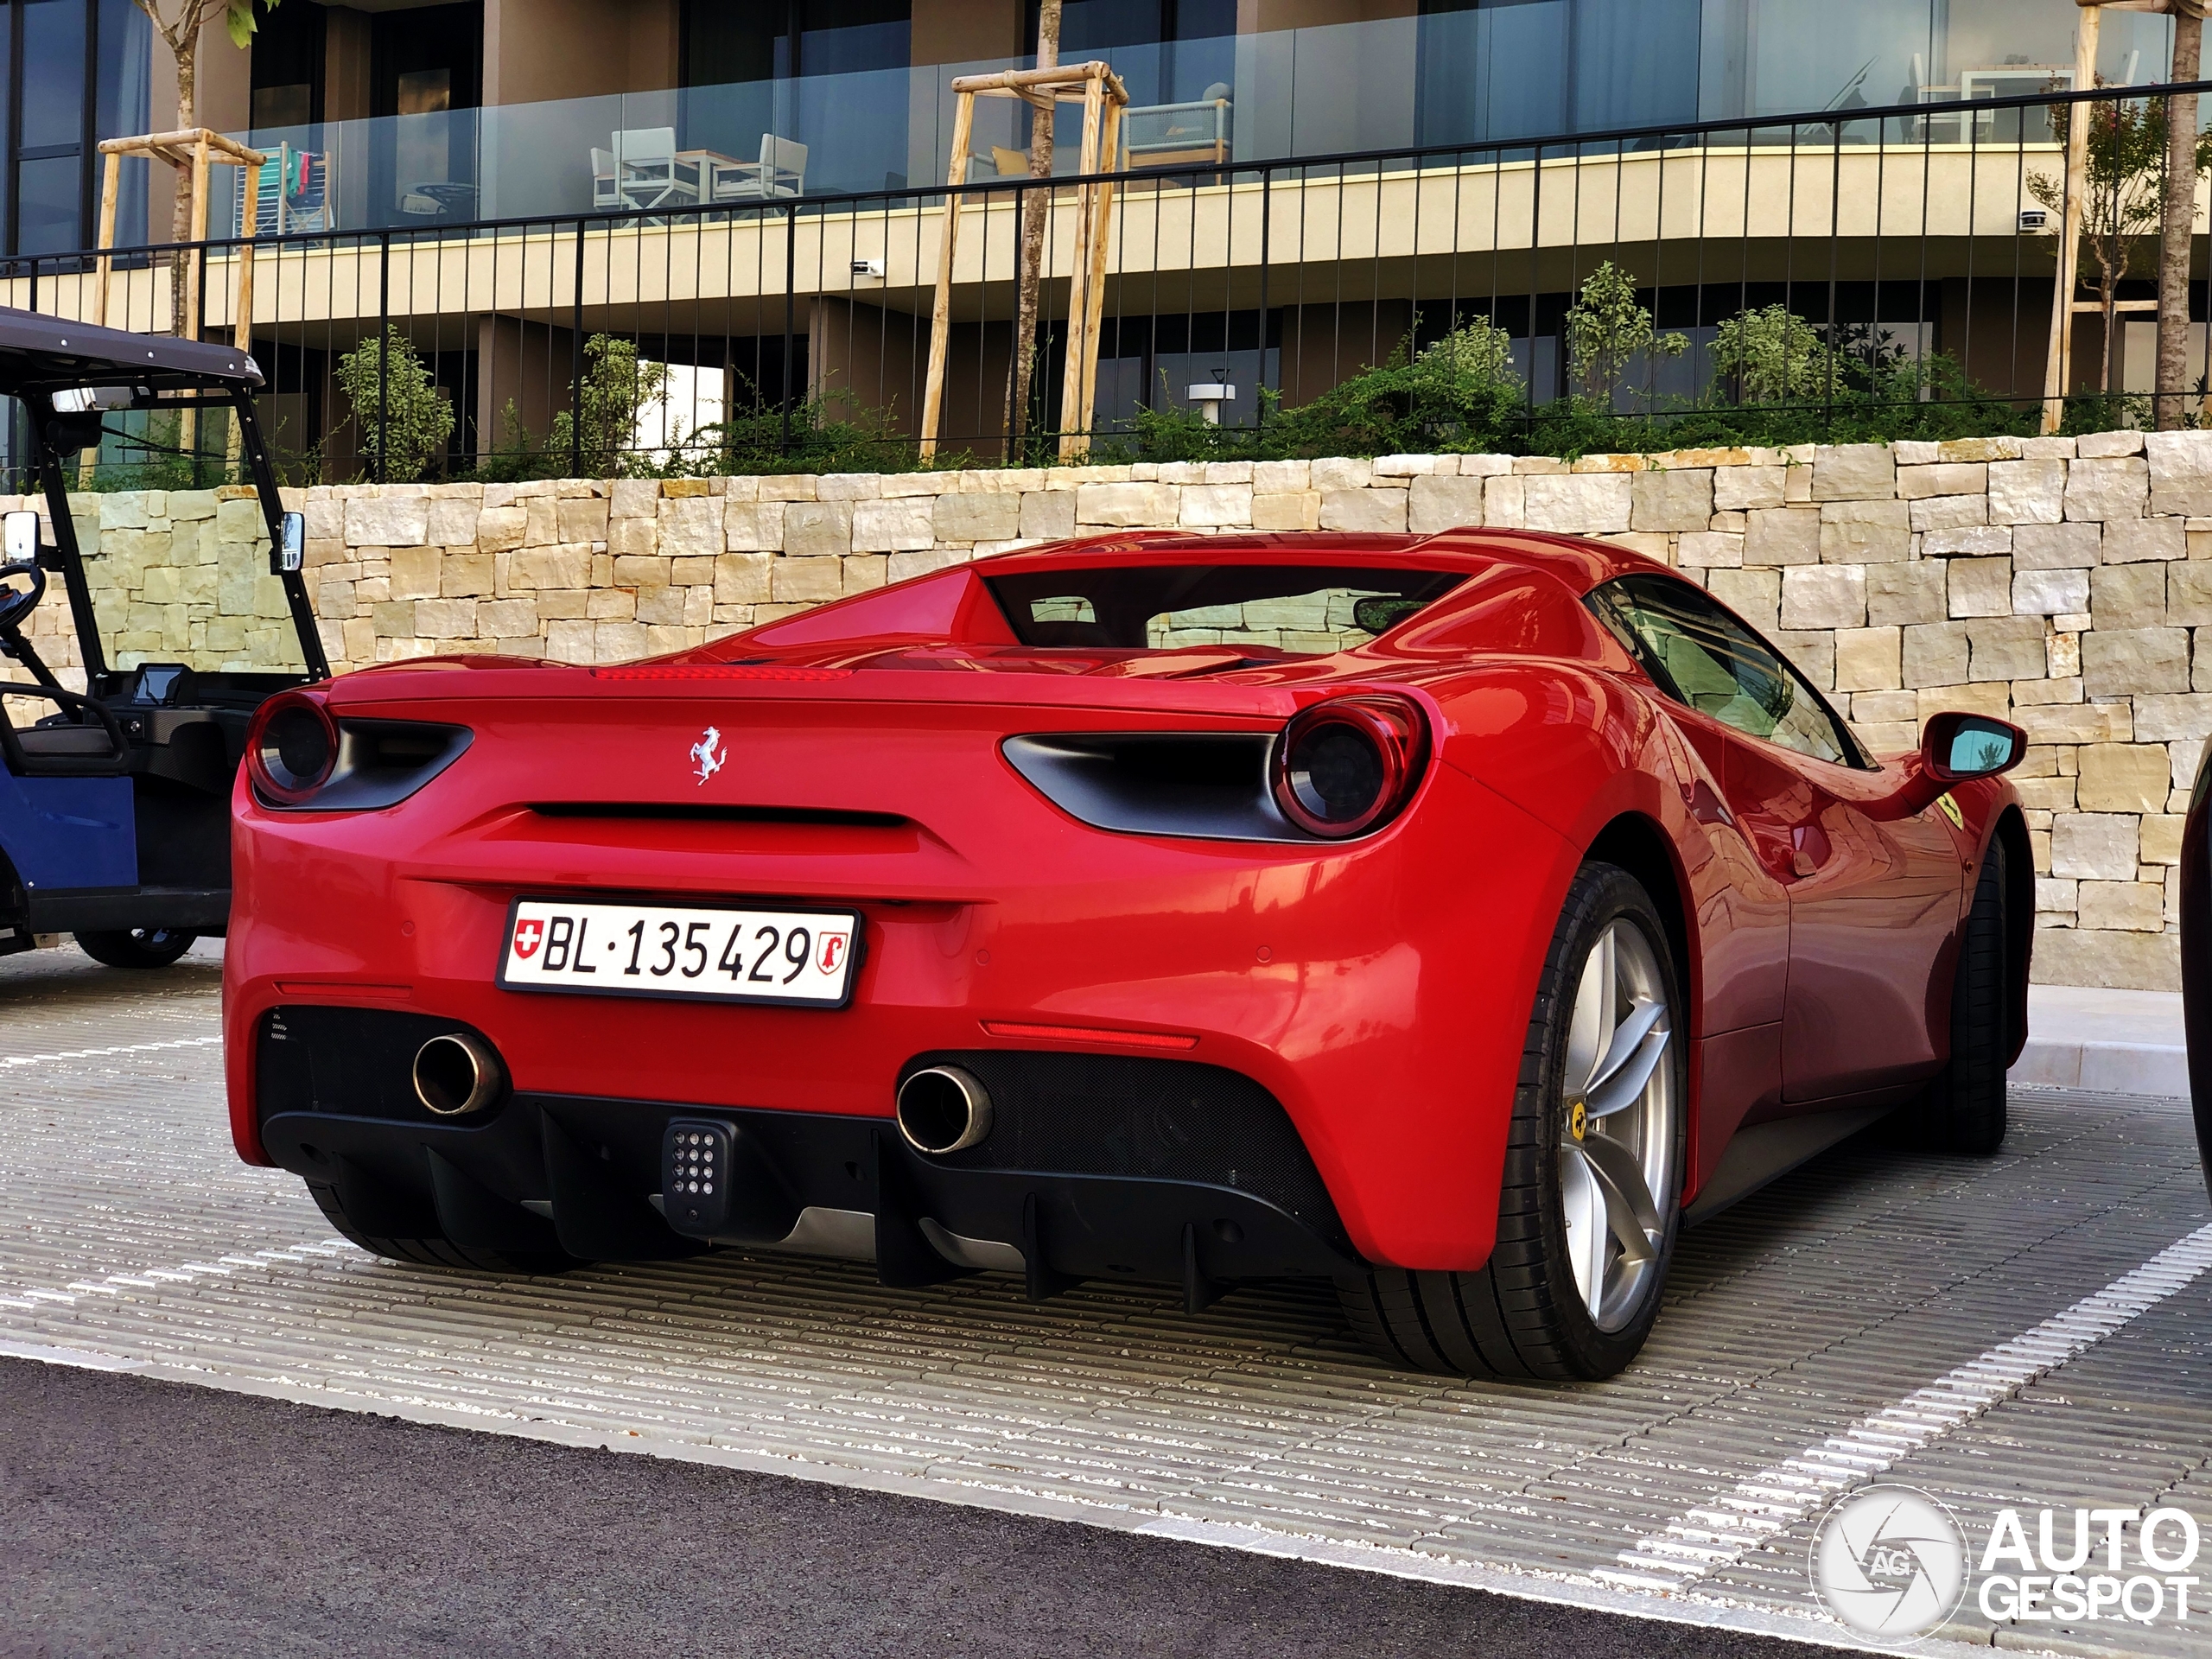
(1451,918)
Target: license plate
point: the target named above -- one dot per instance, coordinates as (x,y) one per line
(707,953)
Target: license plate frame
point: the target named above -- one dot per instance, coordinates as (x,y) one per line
(612,977)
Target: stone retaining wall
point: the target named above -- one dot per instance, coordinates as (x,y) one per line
(2063,583)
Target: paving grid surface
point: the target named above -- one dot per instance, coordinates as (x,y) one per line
(129,1232)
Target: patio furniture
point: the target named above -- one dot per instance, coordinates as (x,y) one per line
(1177,135)
(439,199)
(606,182)
(779,174)
(646,171)
(1989,81)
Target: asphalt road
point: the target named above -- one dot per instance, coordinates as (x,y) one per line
(145,1517)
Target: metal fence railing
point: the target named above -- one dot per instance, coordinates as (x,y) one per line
(1877,272)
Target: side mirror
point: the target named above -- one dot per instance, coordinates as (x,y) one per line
(1956,748)
(19,537)
(290,552)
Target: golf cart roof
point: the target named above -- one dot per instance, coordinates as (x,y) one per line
(42,355)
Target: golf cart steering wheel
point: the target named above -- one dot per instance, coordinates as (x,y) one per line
(15,603)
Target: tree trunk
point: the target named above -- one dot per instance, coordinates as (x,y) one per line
(2170,405)
(187,46)
(1035,206)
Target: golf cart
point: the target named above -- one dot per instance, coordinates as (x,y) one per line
(115,801)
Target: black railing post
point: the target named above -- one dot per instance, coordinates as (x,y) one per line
(1259,403)
(790,304)
(34,305)
(383,355)
(576,366)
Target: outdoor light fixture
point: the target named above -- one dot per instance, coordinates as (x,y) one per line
(1210,396)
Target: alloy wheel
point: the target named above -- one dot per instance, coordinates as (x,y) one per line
(1618,1125)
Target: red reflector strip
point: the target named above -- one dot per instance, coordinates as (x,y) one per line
(1088,1034)
(721,672)
(341,987)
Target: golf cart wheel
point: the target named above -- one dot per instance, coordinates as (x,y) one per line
(138,947)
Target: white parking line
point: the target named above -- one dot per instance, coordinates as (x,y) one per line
(105,1054)
(1731,1524)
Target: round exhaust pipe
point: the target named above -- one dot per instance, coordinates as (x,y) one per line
(944,1108)
(457,1074)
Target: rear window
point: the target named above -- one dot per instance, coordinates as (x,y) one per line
(1302,610)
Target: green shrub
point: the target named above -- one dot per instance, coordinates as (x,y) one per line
(403,419)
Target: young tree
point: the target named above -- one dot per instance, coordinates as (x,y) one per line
(1607,326)
(1036,205)
(403,416)
(1773,356)
(2122,203)
(2179,228)
(180,32)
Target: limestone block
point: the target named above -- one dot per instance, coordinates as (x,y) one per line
(335,599)
(617,642)
(2005,648)
(2075,722)
(1651,543)
(2116,662)
(1811,653)
(2093,846)
(753,526)
(1823,596)
(1410,466)
(893,524)
(816,529)
(1739,489)
(1613,464)
(2184,756)
(1505,501)
(1296,510)
(1866,532)
(634,498)
(610,605)
(2128,595)
(1885,707)
(445,619)
(864,571)
(2103,445)
(1536,466)
(1137,505)
(2181,472)
(2054,547)
(1205,506)
(691,526)
(1220,472)
(1782,536)
(1866,659)
(1754,595)
(415,572)
(2103,489)
(2188,592)
(806,579)
(1671,500)
(791,486)
(903,567)
(1999,449)
(2122,778)
(633,538)
(1382,510)
(1945,478)
(2027,492)
(972,519)
(1587,504)
(2045,794)
(2161,841)
(381,521)
(1710,549)
(2139,906)
(582,519)
(507,619)
(849,486)
(2130,540)
(464,575)
(542,526)
(1936,654)
(451,521)
(2107,957)
(1048,515)
(550,566)
(2169,718)
(1915,592)
(1980,586)
(636,571)
(1948,511)
(1853,472)
(742,578)
(1336,475)
(1440,502)
(2050,593)
(499,529)
(1470,466)
(1285,477)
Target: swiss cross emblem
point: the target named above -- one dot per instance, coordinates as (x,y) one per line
(528,935)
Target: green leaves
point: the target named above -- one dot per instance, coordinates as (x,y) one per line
(238,18)
(1606,328)
(403,419)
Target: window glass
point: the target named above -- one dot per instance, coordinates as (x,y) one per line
(1296,610)
(53,72)
(192,589)
(47,205)
(1705,658)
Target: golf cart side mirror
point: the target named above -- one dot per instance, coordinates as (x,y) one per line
(1957,748)
(290,552)
(19,537)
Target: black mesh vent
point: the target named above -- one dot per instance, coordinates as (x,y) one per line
(351,1062)
(1161,1120)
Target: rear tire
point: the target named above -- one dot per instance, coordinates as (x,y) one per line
(438,1252)
(1964,1109)
(1530,1312)
(137,947)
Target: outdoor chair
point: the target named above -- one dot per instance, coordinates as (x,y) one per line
(780,174)
(606,187)
(646,168)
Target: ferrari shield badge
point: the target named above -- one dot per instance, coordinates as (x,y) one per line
(708,753)
(1950,808)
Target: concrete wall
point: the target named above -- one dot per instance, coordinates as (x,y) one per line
(2065,584)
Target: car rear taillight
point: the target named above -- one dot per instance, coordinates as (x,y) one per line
(1346,766)
(292,749)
